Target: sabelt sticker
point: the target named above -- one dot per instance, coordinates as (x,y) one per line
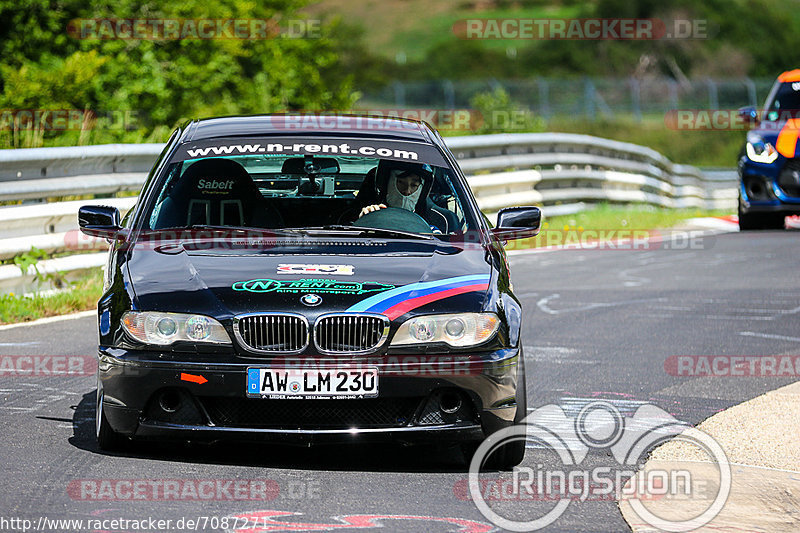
(324,270)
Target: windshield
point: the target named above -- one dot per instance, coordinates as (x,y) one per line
(408,190)
(785,104)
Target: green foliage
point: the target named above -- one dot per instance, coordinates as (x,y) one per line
(31,259)
(163,82)
(500,114)
(82,295)
(757,38)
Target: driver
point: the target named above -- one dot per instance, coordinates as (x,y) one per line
(403,190)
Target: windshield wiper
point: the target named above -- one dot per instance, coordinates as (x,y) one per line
(377,231)
(244,229)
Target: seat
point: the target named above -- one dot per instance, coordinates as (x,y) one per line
(450,219)
(217,192)
(367,195)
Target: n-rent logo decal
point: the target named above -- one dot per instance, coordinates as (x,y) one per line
(325,286)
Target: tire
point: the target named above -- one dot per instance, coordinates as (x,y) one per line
(507,456)
(107,439)
(760,221)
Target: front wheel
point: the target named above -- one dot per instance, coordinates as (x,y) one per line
(760,221)
(107,439)
(510,454)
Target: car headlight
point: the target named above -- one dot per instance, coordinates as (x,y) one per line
(458,330)
(153,327)
(759,150)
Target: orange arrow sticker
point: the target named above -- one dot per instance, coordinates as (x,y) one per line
(194,379)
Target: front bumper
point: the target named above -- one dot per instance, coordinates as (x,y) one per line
(408,409)
(760,191)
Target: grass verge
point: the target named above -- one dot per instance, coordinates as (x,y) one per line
(608,222)
(82,296)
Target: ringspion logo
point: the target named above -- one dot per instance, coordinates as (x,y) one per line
(600,426)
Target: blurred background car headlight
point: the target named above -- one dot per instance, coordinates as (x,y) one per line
(457,330)
(153,327)
(759,150)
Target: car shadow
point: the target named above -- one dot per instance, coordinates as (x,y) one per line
(384,457)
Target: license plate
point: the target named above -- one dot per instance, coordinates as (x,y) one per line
(279,383)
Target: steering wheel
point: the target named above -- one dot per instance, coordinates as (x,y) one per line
(394,218)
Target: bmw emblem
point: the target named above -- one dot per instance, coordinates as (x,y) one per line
(311,299)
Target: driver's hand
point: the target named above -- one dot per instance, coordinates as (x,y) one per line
(371,209)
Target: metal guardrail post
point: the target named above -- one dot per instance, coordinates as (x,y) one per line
(449,91)
(588,99)
(751,92)
(713,94)
(399,94)
(544,97)
(636,95)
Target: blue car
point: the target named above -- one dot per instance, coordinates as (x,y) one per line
(769,164)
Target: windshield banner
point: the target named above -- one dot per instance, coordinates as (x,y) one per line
(377,148)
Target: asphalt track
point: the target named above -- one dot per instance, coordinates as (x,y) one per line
(598,325)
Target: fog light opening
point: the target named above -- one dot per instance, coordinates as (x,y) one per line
(450,403)
(755,189)
(169,401)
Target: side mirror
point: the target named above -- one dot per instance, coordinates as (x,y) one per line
(99,221)
(517,223)
(749,114)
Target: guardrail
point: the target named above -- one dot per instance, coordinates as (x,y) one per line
(565,172)
(552,168)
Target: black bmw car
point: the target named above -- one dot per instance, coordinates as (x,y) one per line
(306,280)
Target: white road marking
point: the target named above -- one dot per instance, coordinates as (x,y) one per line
(48,320)
(730,317)
(561,350)
(29,343)
(543,304)
(769,336)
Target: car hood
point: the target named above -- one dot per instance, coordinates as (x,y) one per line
(389,277)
